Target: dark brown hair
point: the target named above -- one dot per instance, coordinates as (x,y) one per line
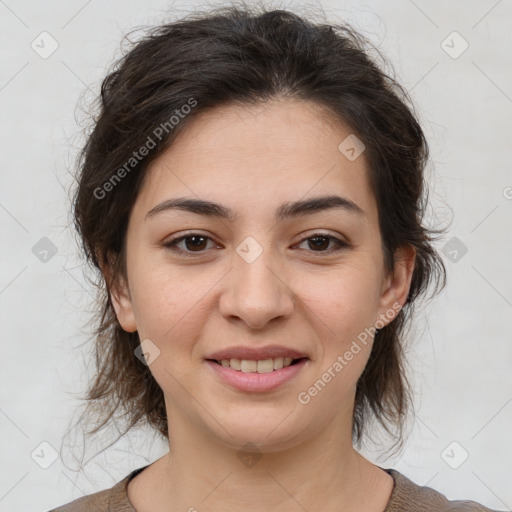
(248,55)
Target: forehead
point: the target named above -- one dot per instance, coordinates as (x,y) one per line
(272,152)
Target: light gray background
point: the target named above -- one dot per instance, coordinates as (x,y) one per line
(462,350)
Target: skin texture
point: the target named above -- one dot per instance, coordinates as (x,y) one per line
(316,300)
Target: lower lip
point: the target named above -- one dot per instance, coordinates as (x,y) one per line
(257,382)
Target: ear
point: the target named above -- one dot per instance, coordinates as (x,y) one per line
(120,297)
(396,285)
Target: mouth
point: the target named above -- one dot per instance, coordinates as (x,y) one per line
(257,376)
(258,366)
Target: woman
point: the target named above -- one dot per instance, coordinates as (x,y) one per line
(252,193)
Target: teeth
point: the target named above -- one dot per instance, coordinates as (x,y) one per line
(262,366)
(248,366)
(234,363)
(278,363)
(265,366)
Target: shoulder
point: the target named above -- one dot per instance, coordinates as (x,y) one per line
(114,499)
(410,497)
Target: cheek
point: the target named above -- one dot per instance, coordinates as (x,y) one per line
(171,311)
(346,301)
(167,305)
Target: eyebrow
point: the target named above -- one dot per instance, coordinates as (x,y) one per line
(284,211)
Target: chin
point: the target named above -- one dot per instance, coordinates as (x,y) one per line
(262,433)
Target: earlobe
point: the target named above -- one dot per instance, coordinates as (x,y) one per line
(124,309)
(121,300)
(396,285)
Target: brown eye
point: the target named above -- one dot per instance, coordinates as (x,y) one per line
(320,243)
(187,244)
(195,242)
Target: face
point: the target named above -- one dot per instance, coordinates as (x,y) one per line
(259,269)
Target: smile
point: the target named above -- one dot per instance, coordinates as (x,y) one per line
(261,366)
(257,376)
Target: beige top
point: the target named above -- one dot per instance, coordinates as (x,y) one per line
(406,497)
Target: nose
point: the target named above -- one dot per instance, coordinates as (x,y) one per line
(255,292)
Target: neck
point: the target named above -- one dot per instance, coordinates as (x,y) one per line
(201,472)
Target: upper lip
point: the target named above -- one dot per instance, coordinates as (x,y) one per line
(256,354)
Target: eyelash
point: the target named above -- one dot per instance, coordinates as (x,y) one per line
(172,244)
